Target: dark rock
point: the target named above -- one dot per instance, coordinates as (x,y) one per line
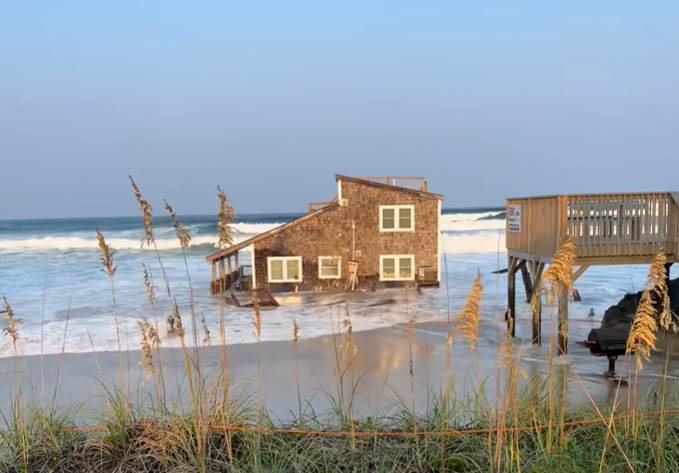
(621,315)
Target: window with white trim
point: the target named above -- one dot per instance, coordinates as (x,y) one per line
(329,267)
(285,268)
(397,267)
(397,218)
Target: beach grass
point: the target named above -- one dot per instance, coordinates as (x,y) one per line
(530,428)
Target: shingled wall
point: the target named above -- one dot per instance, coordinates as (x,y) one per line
(329,233)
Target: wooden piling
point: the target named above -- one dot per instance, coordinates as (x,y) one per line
(536,309)
(563,323)
(511,296)
(527,282)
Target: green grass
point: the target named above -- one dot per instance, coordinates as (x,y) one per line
(163,438)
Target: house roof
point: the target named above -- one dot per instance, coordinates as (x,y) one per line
(379,185)
(263,236)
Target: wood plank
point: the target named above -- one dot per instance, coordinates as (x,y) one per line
(581,270)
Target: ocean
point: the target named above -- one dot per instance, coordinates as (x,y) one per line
(51,274)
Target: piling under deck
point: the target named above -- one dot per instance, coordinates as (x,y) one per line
(607,229)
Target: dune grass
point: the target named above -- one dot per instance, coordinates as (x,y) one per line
(531,428)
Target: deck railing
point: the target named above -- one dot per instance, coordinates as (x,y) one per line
(602,225)
(238,278)
(414,183)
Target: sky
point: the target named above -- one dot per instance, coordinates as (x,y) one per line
(485,99)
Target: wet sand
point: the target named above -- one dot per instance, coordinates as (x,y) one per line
(387,365)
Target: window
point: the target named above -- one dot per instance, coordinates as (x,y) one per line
(397,268)
(285,268)
(397,218)
(329,267)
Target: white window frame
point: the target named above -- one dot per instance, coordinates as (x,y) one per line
(285,260)
(338,259)
(397,268)
(396,209)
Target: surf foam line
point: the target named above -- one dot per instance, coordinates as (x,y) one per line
(452,244)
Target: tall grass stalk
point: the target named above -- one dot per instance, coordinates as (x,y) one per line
(110,270)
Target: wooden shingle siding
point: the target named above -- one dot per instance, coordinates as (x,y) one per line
(330,233)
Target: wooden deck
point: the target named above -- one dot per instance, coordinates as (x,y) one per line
(607,229)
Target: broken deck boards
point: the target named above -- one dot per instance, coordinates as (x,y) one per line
(259,296)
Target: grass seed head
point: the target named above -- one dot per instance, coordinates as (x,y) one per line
(11,330)
(150,291)
(348,342)
(643,334)
(469,317)
(559,274)
(147,213)
(146,355)
(207,339)
(107,255)
(174,321)
(225,216)
(182,233)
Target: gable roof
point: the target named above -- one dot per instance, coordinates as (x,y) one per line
(389,187)
(274,231)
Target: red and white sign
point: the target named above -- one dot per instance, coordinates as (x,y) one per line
(514,219)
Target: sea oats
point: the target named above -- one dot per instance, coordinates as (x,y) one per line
(107,255)
(147,213)
(11,329)
(150,291)
(207,338)
(348,342)
(559,274)
(224,218)
(146,355)
(182,233)
(295,332)
(174,321)
(642,337)
(469,317)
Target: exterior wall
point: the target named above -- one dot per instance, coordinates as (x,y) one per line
(330,234)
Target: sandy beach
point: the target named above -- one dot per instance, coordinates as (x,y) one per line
(387,367)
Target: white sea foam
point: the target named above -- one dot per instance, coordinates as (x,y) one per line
(165,239)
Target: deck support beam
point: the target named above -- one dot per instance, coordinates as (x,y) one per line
(512,268)
(536,270)
(222,271)
(562,343)
(581,270)
(214,278)
(527,281)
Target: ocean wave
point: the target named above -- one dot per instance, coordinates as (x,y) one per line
(495,216)
(465,243)
(474,233)
(115,243)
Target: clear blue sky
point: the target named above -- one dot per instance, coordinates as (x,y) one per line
(270,99)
